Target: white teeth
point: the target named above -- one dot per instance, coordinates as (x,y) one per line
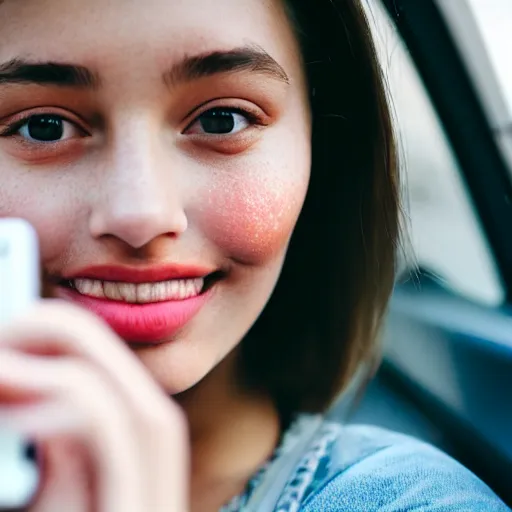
(144,293)
(172,288)
(183,290)
(160,291)
(111,290)
(97,289)
(90,287)
(84,286)
(128,291)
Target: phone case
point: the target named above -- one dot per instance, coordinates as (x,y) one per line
(19,288)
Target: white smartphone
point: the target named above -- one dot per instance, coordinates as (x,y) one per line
(19,288)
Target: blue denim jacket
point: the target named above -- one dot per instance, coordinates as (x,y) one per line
(365,468)
(373,469)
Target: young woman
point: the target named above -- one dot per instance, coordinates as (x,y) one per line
(214,186)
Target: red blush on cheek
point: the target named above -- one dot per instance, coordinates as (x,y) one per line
(252,221)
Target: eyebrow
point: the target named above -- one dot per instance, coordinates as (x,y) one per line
(19,71)
(251,59)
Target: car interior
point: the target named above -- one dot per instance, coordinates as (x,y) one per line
(446,375)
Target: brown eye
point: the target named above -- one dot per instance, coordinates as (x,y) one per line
(45,128)
(220,121)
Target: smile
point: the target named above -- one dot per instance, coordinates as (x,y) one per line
(142,306)
(143,293)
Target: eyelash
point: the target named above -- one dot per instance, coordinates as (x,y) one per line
(252,118)
(12,129)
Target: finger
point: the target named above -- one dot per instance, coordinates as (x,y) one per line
(68,477)
(54,418)
(58,328)
(104,425)
(66,472)
(166,460)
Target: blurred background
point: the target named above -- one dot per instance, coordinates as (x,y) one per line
(444,229)
(447,372)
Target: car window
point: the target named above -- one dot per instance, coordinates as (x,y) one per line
(444,233)
(493,18)
(481,30)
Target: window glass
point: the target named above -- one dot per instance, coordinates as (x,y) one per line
(480,29)
(445,234)
(494,19)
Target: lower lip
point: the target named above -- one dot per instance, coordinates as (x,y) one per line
(149,324)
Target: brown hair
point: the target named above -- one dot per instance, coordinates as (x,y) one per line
(323,319)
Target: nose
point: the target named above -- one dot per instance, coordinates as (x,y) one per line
(139,196)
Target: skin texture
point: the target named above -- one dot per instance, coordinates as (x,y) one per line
(137,182)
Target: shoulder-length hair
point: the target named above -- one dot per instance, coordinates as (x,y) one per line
(323,319)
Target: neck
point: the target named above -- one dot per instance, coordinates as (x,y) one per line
(232,432)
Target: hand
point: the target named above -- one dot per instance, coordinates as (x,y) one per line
(112,441)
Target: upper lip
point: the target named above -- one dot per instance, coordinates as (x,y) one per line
(136,275)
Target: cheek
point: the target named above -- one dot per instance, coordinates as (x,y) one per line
(252,218)
(43,205)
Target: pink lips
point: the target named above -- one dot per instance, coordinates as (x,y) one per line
(140,323)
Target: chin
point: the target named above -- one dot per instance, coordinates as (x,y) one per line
(178,367)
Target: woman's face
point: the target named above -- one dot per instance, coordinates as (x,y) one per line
(161,149)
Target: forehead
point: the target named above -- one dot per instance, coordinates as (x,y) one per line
(85,31)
